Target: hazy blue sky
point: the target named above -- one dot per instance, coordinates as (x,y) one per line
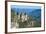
(31,7)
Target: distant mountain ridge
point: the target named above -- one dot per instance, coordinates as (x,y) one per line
(28,11)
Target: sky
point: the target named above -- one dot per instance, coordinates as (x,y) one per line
(20,6)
